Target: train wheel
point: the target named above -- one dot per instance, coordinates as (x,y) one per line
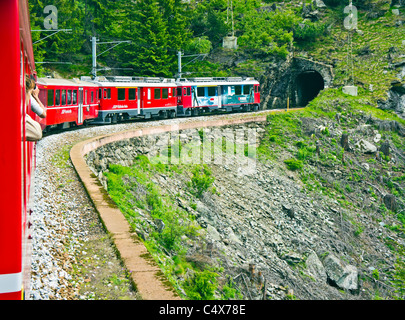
(163,115)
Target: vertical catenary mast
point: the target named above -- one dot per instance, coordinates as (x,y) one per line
(94,43)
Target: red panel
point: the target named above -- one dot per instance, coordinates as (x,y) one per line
(10,144)
(11,296)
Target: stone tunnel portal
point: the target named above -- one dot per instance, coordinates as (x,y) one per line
(308,85)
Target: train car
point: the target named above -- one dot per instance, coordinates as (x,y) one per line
(17,156)
(67,102)
(124,98)
(198,95)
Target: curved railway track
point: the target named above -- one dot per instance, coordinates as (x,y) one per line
(68,237)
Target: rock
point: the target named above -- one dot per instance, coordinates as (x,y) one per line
(385,148)
(390,202)
(344,141)
(212,233)
(315,268)
(289,210)
(339,274)
(319,4)
(292,257)
(160,225)
(366,147)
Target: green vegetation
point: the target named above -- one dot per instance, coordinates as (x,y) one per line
(201,180)
(137,195)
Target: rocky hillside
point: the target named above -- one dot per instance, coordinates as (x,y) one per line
(315,207)
(316,211)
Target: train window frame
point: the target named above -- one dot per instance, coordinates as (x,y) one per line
(212,91)
(165,93)
(63,97)
(57,97)
(50,93)
(121,94)
(74,97)
(200,91)
(69,97)
(157,94)
(131,94)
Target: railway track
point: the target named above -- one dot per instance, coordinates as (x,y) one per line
(68,202)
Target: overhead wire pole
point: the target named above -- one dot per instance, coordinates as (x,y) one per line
(95,55)
(179,55)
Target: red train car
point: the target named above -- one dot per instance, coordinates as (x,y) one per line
(17,156)
(68,102)
(123,98)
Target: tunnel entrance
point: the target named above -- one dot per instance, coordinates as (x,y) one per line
(308,84)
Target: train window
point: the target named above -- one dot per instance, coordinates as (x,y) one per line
(184,91)
(57,97)
(121,94)
(92,96)
(107,93)
(69,97)
(149,95)
(188,91)
(165,93)
(157,94)
(85,97)
(50,98)
(200,91)
(74,97)
(246,89)
(131,94)
(63,98)
(100,96)
(238,90)
(179,91)
(211,91)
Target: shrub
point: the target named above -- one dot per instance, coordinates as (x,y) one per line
(202,285)
(201,180)
(294,164)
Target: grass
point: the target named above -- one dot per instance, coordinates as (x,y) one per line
(138,197)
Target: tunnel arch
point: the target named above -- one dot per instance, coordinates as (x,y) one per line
(308,84)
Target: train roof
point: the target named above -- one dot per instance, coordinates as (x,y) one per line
(122,81)
(65,82)
(215,81)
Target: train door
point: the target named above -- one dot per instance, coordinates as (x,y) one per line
(138,100)
(219,97)
(257,94)
(187,102)
(80,111)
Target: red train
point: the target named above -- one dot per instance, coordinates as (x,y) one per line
(17,156)
(73,103)
(114,99)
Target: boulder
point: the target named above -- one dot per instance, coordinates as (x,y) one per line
(339,274)
(366,147)
(315,268)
